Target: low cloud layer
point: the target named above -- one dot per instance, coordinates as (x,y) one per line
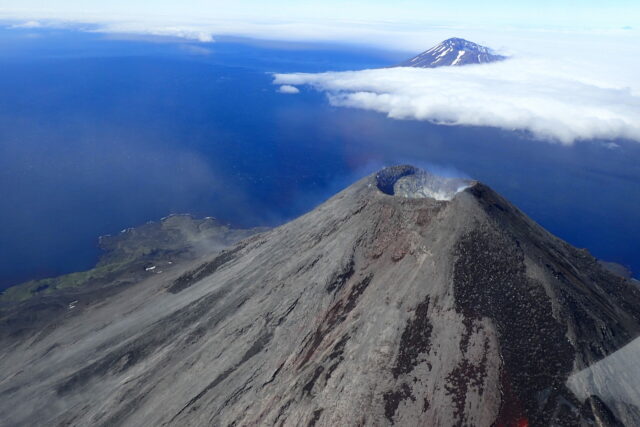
(288,89)
(561,101)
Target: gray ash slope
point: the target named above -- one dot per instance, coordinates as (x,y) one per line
(453,52)
(382,306)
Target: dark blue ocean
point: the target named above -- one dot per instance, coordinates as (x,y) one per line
(100,133)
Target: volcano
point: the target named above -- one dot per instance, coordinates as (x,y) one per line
(406,299)
(453,52)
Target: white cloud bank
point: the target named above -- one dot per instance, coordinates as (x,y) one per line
(557,99)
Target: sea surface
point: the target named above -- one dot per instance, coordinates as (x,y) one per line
(99,133)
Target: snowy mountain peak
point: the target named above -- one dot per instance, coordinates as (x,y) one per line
(453,51)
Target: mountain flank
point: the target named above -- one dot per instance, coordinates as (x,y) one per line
(406,299)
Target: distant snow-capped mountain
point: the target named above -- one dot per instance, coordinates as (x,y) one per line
(453,51)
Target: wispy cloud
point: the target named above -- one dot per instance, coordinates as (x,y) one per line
(556,99)
(190,32)
(27,24)
(137,27)
(196,50)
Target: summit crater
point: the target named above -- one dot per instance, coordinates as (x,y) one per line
(411,182)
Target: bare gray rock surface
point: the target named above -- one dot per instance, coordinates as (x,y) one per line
(373,309)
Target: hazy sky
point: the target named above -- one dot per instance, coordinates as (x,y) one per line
(601,13)
(398,24)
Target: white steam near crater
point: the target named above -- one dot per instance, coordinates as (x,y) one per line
(414,183)
(562,102)
(426,185)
